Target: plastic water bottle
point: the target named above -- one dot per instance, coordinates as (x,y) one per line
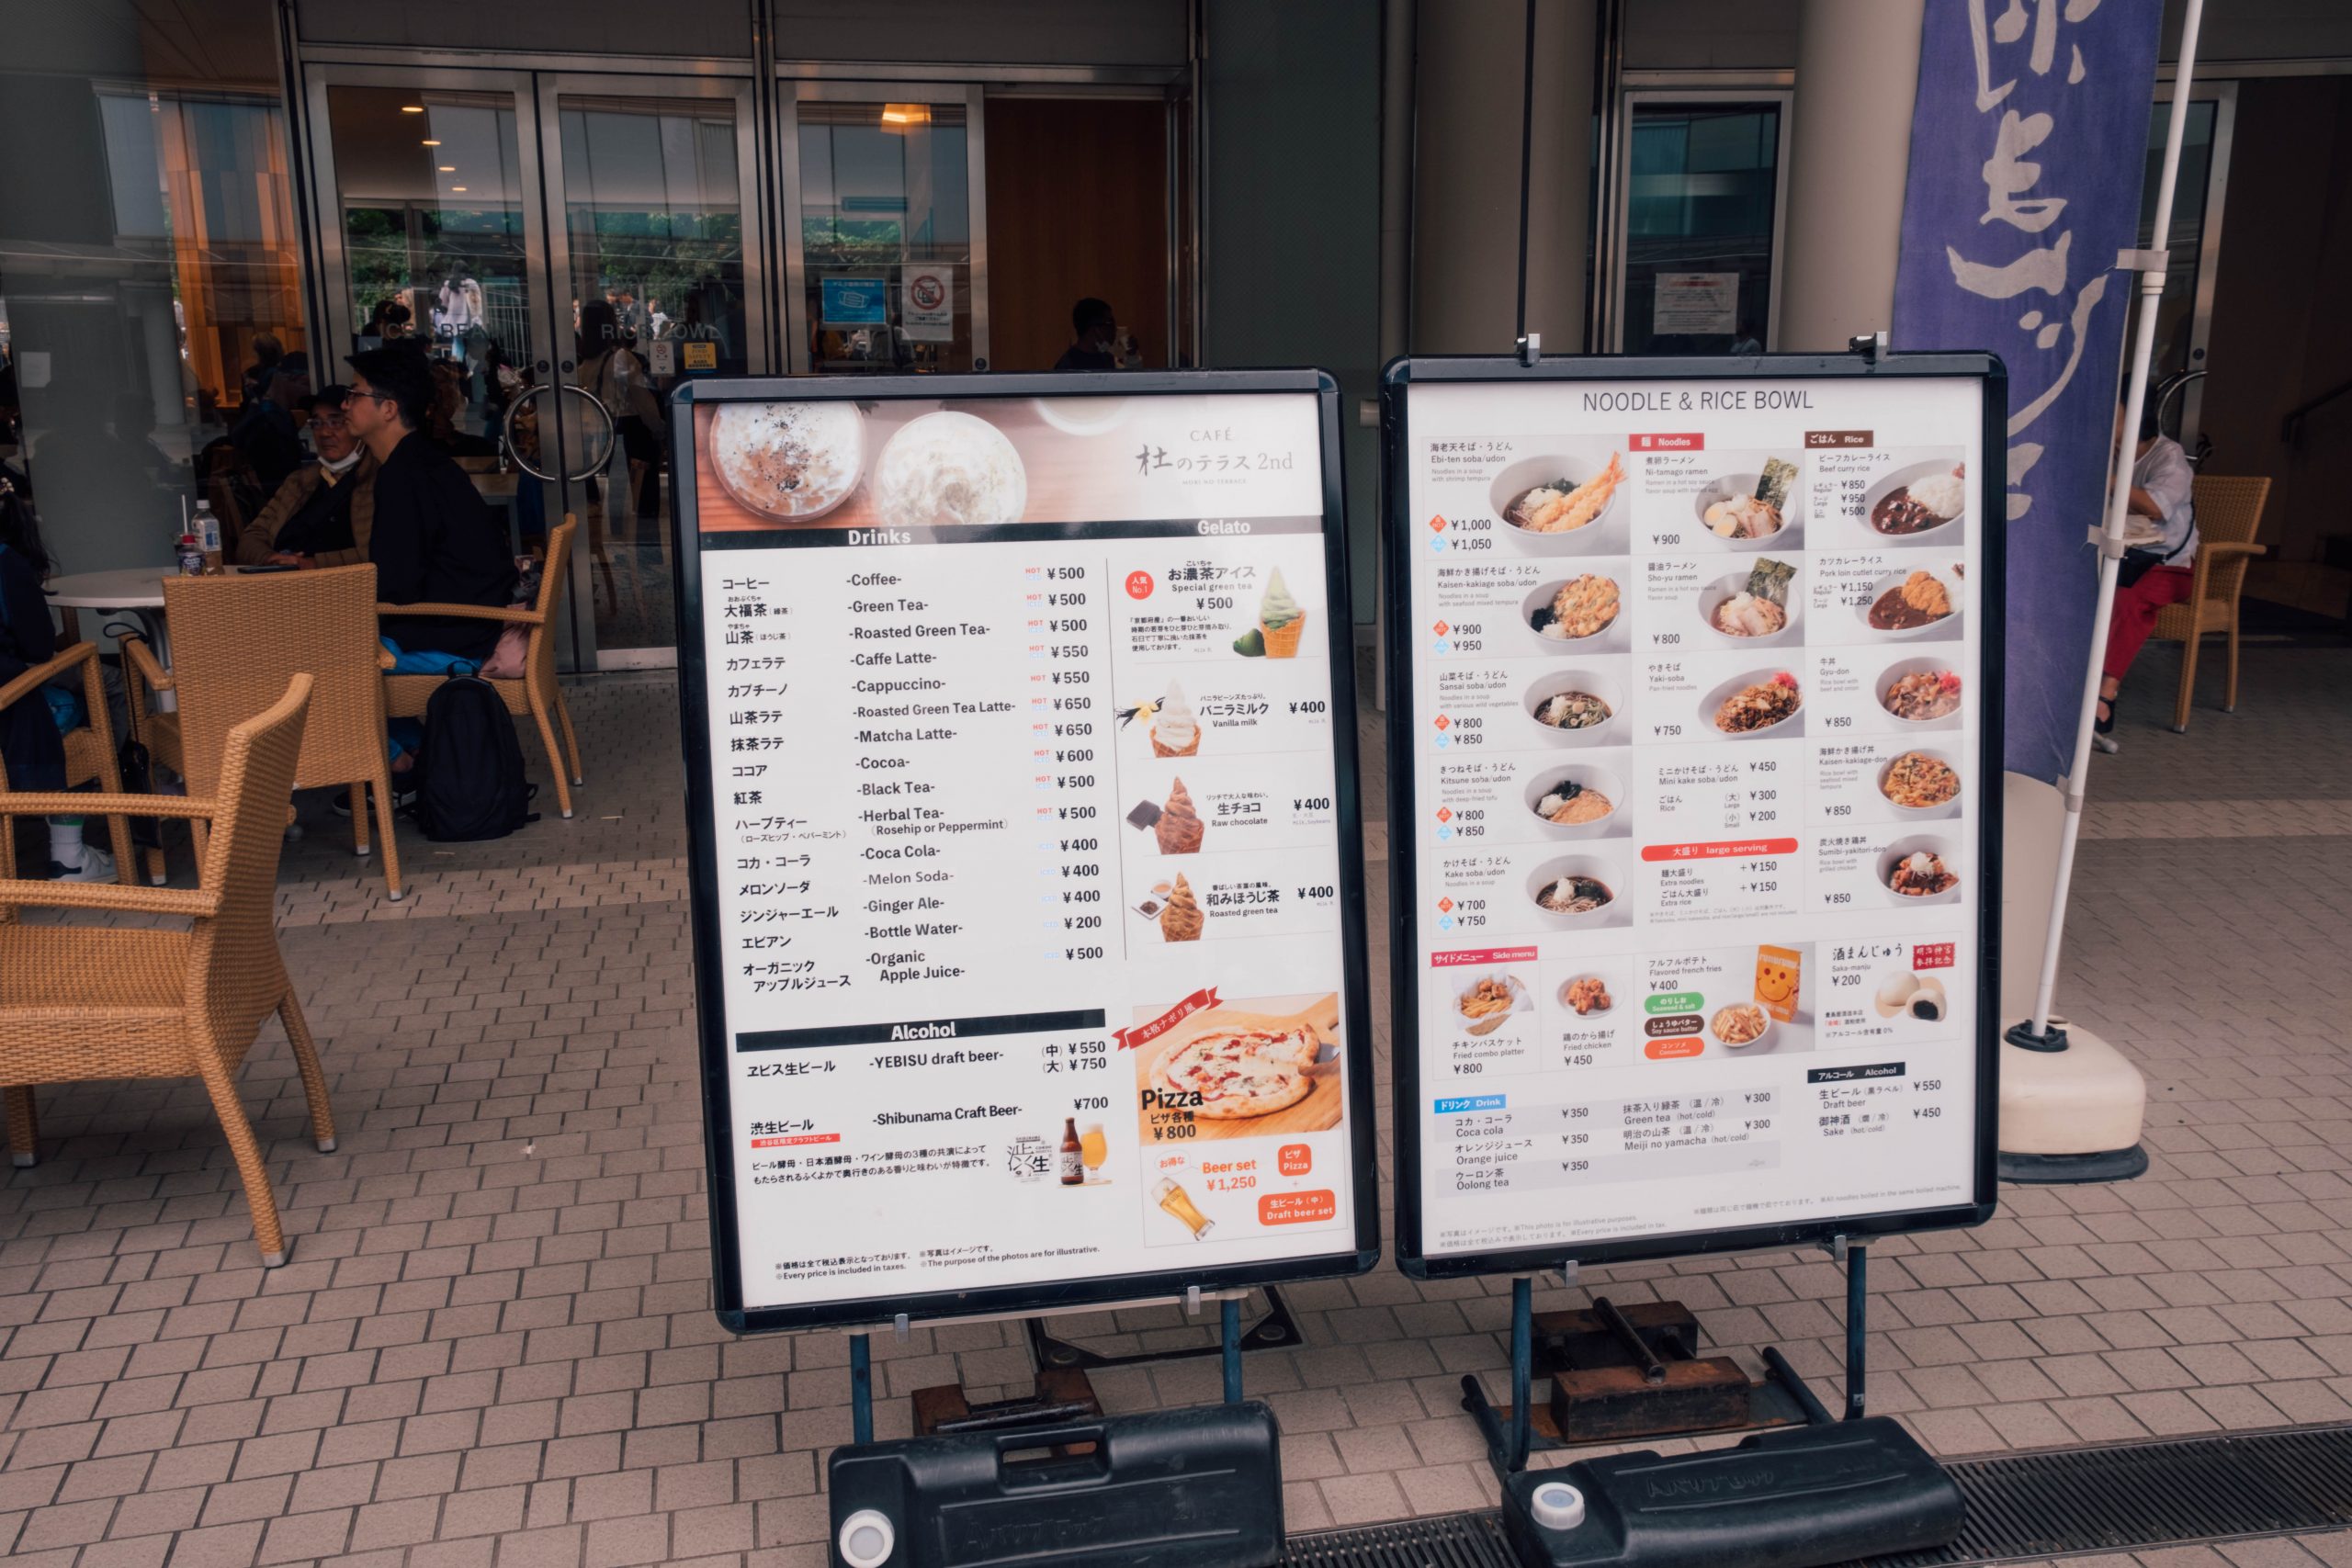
(206,528)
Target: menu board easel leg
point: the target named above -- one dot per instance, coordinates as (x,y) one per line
(1858,1303)
(1508,1451)
(1229,1345)
(861,1389)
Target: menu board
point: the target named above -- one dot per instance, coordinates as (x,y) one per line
(1695,793)
(1027,879)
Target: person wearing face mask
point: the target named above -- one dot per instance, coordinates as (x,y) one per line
(322,513)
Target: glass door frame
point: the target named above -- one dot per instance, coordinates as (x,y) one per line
(2223,95)
(794,90)
(547,250)
(576,635)
(1619,219)
(339,327)
(551,86)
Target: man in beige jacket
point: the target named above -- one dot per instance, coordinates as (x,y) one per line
(322,515)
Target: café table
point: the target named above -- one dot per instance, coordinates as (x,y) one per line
(136,589)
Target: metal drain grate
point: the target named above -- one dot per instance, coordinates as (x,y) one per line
(1457,1540)
(2149,1493)
(2056,1504)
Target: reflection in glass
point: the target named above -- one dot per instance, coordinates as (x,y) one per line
(886,217)
(432,219)
(430,205)
(1699,227)
(653,218)
(154,357)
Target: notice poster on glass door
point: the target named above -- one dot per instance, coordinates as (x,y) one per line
(1028,896)
(1694,725)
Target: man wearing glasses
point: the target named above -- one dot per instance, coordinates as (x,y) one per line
(323,512)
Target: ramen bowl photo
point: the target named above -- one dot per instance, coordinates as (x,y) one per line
(1574,707)
(1578,801)
(1576,890)
(1538,503)
(1732,616)
(1754,525)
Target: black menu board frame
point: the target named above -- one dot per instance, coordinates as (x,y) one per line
(691,547)
(1402,535)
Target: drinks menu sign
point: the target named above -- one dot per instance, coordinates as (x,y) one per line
(1027,899)
(1695,783)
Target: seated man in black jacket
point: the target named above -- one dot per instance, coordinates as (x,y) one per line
(434,539)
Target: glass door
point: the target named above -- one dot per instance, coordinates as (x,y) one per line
(652,187)
(885,223)
(429,190)
(1697,242)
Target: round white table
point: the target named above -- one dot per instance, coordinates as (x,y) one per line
(124,588)
(139,589)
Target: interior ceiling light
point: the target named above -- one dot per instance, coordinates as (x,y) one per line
(906,114)
(428,142)
(447,169)
(456,188)
(412,108)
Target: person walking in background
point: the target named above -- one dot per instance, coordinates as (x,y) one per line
(618,380)
(2162,486)
(1096,329)
(267,355)
(388,323)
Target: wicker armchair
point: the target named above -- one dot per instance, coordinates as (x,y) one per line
(89,747)
(535,692)
(235,642)
(80,1003)
(2228,510)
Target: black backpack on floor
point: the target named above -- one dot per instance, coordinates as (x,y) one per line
(471,768)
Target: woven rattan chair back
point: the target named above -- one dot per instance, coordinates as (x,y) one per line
(2228,512)
(538,666)
(237,640)
(235,977)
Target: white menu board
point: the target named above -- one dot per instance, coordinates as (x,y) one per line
(1692,707)
(1030,958)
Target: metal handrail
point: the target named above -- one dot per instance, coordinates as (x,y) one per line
(2290,429)
(507,431)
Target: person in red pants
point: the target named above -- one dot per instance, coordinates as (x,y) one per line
(2160,500)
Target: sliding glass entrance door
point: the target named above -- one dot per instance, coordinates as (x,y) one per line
(565,248)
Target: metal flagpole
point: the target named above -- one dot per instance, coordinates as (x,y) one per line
(2151,267)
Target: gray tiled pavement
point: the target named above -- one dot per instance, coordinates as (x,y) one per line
(493,1349)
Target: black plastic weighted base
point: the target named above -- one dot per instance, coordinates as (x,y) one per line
(1795,1498)
(1193,1488)
(2060,1170)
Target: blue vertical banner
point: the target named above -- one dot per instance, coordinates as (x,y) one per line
(2028,144)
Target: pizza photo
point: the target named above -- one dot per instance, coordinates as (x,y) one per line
(1258,1067)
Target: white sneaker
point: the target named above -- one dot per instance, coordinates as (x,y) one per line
(96,865)
(2107,743)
